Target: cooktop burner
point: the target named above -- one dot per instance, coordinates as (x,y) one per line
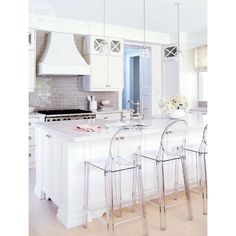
(63,112)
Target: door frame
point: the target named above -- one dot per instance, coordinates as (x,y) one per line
(138,46)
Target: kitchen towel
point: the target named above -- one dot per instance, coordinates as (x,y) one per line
(87,128)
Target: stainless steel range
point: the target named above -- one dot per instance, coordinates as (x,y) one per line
(71,114)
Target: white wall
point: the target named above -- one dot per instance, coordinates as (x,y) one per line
(188,77)
(156,71)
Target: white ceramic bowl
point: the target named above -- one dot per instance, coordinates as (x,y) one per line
(105,102)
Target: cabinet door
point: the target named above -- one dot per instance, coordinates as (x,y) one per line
(116,47)
(47,164)
(115,72)
(98,77)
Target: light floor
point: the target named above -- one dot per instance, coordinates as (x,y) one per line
(43,221)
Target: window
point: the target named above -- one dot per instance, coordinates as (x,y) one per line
(202,86)
(201,67)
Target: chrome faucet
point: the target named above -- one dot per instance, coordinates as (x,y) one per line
(137,104)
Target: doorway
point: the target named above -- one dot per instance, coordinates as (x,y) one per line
(137,80)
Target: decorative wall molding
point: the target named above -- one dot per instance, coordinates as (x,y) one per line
(47,23)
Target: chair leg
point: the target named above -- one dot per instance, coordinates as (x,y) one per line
(142,201)
(107,192)
(134,189)
(119,195)
(161,189)
(176,181)
(86,194)
(204,193)
(134,184)
(109,203)
(187,189)
(197,173)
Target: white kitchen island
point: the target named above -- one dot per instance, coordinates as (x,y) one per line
(61,151)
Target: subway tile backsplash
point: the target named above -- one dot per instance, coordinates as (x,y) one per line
(63,92)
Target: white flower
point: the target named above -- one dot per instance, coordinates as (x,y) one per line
(173,103)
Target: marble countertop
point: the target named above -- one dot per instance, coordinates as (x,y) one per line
(67,129)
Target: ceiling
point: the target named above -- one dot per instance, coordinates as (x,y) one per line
(161,15)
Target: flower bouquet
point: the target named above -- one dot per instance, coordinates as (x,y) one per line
(174,106)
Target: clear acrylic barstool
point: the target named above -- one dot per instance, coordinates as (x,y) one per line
(200,155)
(171,149)
(124,148)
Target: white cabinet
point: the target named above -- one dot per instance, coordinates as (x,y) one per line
(98,77)
(170,71)
(32,59)
(49,166)
(33,118)
(92,45)
(115,78)
(106,69)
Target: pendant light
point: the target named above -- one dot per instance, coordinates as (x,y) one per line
(104,47)
(144,52)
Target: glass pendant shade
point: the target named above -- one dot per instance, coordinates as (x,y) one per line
(104,47)
(145,52)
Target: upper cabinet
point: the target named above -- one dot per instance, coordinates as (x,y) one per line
(106,68)
(93,44)
(32,58)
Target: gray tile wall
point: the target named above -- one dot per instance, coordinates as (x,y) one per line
(63,92)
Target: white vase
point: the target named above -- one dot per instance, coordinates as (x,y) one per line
(176,114)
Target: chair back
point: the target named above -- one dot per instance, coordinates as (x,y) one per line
(203,145)
(173,140)
(125,143)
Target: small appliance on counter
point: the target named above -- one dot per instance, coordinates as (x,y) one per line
(92,103)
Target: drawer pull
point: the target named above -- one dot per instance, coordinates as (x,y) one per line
(105,118)
(30,123)
(30,154)
(169,132)
(30,137)
(120,138)
(48,136)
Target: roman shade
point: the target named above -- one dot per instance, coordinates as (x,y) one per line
(201,57)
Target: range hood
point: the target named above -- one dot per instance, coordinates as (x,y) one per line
(61,57)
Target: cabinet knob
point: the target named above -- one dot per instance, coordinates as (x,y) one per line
(30,137)
(30,123)
(30,154)
(48,136)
